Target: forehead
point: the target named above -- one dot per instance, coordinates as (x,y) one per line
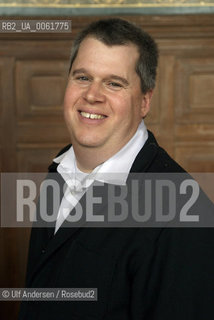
(93,52)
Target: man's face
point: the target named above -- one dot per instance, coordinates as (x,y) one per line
(103,101)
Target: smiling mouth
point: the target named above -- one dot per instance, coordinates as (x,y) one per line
(91,115)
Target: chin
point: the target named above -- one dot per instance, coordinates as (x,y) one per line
(88,143)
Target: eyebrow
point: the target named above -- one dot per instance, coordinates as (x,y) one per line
(82,70)
(111,76)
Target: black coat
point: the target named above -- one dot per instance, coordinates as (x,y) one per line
(140,273)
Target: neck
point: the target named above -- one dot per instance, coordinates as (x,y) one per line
(89,158)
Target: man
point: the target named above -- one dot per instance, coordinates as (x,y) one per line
(140,273)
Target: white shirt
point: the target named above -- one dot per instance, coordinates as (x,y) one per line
(115,170)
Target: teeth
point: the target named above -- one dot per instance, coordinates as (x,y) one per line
(91,115)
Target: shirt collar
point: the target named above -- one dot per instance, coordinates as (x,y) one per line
(115,170)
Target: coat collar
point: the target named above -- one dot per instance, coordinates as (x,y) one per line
(146,155)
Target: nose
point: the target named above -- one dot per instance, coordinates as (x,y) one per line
(94,93)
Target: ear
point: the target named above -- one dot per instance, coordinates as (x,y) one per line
(146,101)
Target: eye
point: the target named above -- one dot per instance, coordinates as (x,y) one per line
(82,78)
(115,84)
